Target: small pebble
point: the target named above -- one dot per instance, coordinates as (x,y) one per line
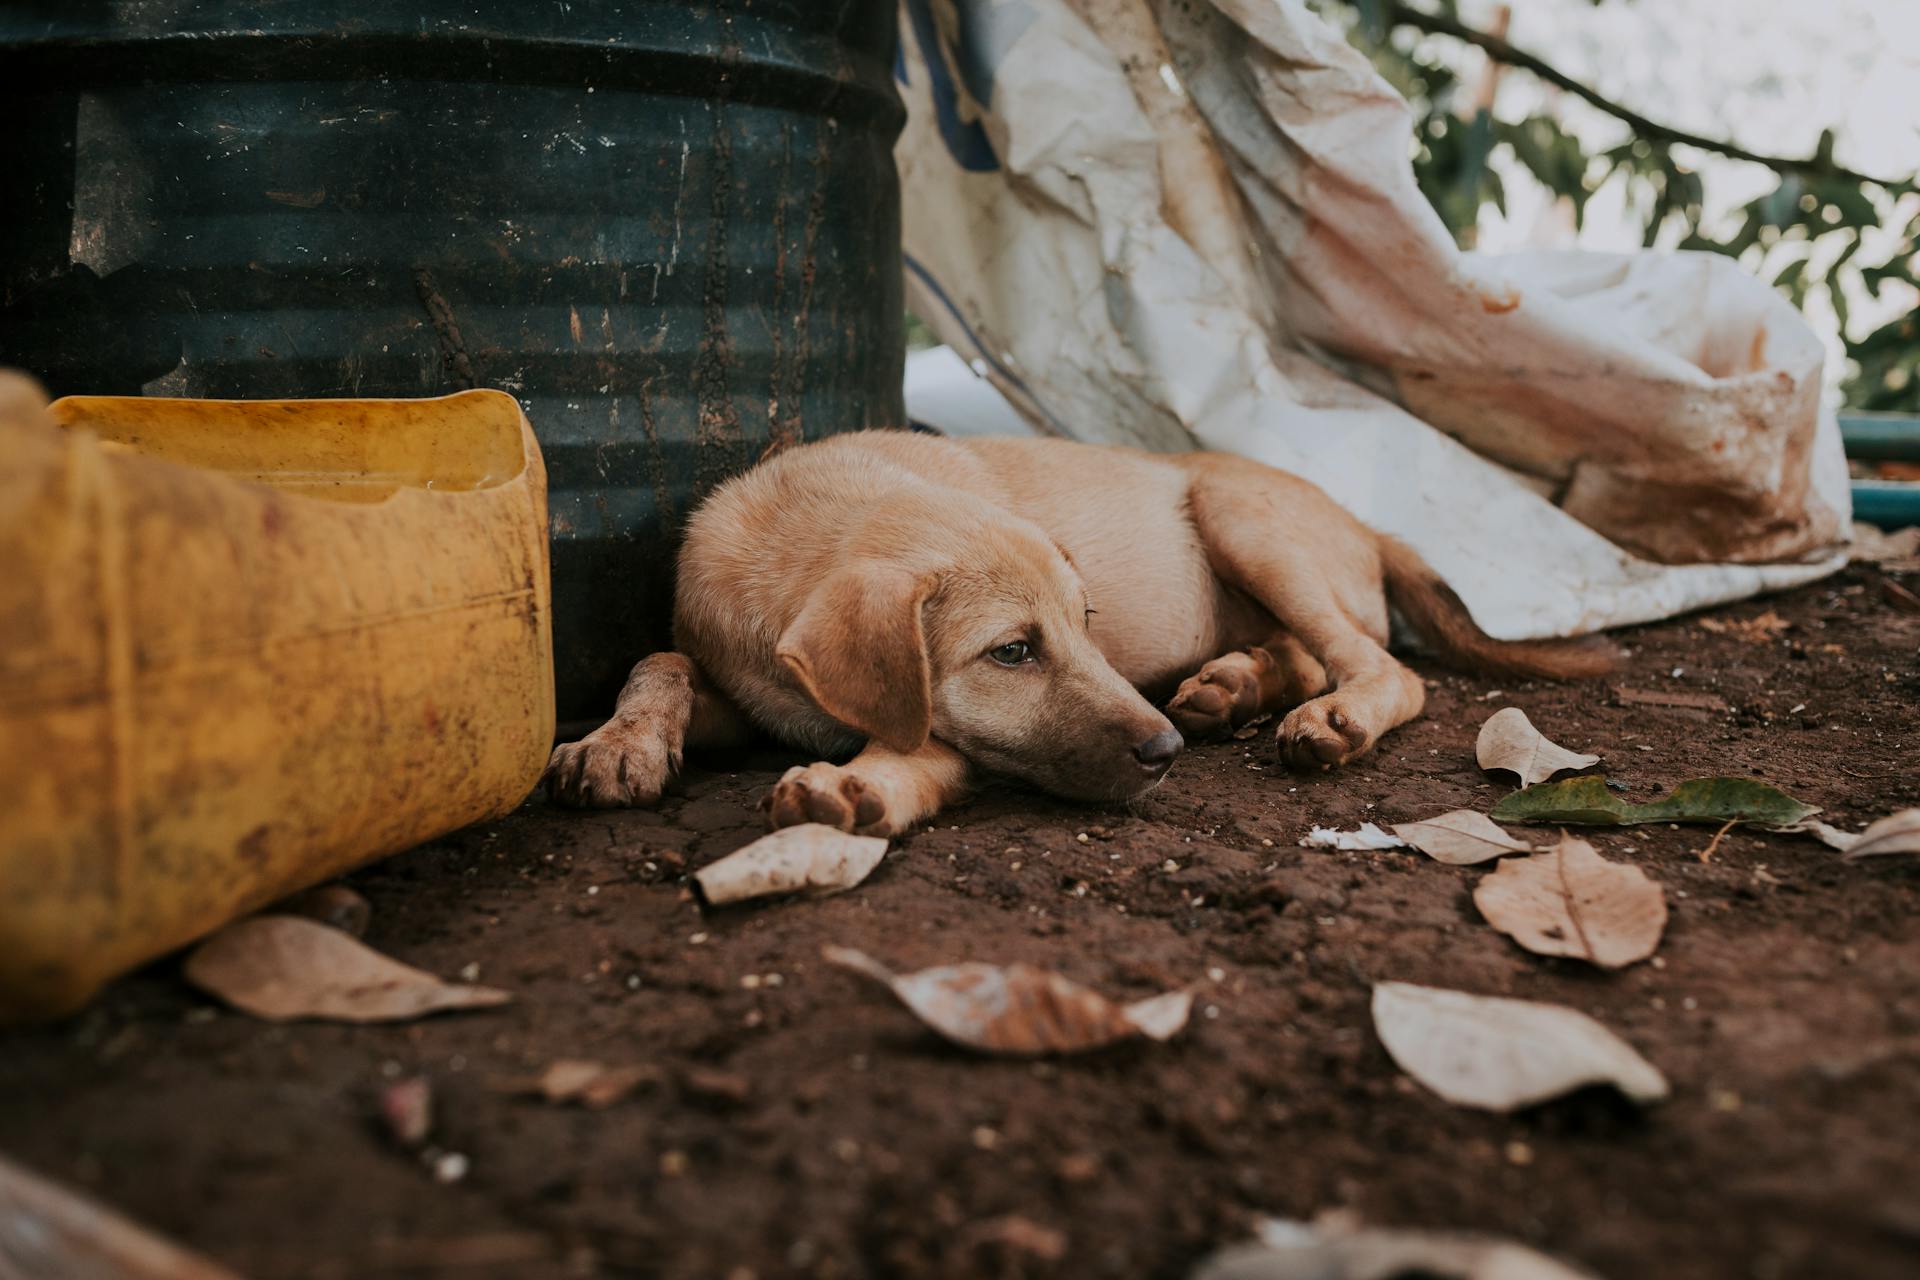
(1519,1153)
(673,1163)
(470,971)
(1169,865)
(986,1139)
(450,1167)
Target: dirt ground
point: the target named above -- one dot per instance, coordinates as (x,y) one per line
(808,1126)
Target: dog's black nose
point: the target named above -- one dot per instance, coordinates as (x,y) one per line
(1158,751)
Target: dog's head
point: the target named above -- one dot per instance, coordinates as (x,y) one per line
(986,645)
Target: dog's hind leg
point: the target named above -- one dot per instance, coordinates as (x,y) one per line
(1318,571)
(666,707)
(880,792)
(1276,675)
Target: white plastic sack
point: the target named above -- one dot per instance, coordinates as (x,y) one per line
(1196,225)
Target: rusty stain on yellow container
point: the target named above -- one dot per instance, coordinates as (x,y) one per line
(246,646)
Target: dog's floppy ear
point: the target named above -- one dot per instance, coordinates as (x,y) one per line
(860,652)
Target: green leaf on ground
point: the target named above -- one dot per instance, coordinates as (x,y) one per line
(1588,802)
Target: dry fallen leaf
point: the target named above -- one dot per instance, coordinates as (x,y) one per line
(1877,547)
(710,1084)
(1755,630)
(1501,1055)
(285,967)
(1832,837)
(1367,837)
(1018,1009)
(808,858)
(1298,1251)
(1460,838)
(591,1084)
(1896,833)
(1016,1235)
(1590,802)
(1509,741)
(1570,901)
(49,1232)
(1672,698)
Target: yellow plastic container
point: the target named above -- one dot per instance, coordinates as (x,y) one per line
(246,646)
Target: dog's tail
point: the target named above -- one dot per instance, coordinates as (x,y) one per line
(1441,618)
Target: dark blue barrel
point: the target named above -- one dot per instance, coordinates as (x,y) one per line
(672,230)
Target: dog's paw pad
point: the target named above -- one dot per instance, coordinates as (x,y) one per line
(1320,735)
(1218,699)
(826,794)
(1201,711)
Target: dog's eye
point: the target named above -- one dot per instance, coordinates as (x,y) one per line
(1012,655)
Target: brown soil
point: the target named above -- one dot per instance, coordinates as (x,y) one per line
(813,1128)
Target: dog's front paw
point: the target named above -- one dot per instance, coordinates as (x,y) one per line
(1323,733)
(616,766)
(1220,697)
(828,794)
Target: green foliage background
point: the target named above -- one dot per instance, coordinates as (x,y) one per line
(1811,204)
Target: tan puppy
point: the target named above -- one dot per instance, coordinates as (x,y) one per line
(932,607)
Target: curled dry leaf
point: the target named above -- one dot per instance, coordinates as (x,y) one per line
(1018,1009)
(1896,833)
(1018,1236)
(591,1084)
(285,967)
(808,858)
(1586,802)
(1294,1251)
(1570,901)
(1509,741)
(1683,698)
(1832,837)
(1755,630)
(1460,838)
(1501,1055)
(1877,547)
(1368,836)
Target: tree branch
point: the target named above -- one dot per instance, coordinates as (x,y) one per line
(1405,15)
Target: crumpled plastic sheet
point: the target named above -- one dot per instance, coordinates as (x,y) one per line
(1197,226)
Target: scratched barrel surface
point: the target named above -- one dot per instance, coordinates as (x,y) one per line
(671,230)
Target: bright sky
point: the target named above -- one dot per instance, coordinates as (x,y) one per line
(1768,74)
